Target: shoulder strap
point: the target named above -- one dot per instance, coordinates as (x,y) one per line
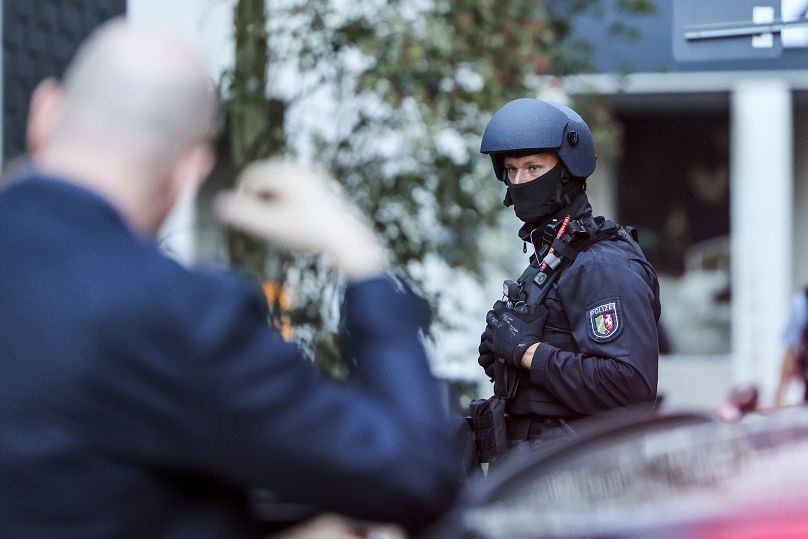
(578,235)
(633,233)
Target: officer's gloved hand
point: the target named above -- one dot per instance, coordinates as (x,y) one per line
(486,359)
(512,332)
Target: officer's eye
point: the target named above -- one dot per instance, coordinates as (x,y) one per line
(534,168)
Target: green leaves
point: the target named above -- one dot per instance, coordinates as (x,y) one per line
(413,83)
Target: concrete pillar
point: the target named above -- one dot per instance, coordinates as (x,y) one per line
(761,170)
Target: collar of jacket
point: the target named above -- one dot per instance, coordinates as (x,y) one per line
(64,198)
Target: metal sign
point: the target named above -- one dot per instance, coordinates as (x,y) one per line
(794,11)
(725,29)
(737,29)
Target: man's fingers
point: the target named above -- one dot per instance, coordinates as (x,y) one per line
(282,177)
(264,181)
(245,212)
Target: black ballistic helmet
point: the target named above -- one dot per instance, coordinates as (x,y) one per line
(532,124)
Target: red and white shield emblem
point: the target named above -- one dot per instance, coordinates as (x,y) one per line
(604,319)
(608,322)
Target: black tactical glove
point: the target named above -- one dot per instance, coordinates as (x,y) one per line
(486,359)
(512,332)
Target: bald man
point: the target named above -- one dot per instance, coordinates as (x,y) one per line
(142,399)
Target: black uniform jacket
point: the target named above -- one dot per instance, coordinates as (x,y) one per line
(599,348)
(141,399)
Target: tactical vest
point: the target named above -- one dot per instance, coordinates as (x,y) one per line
(556,250)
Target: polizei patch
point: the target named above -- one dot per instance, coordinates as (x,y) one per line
(605,320)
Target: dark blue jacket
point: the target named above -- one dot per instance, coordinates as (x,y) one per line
(599,348)
(142,399)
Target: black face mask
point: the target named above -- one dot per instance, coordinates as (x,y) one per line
(540,197)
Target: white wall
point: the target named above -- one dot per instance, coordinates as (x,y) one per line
(694,383)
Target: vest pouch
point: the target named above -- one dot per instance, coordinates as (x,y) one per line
(488,420)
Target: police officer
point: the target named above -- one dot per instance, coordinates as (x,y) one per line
(576,334)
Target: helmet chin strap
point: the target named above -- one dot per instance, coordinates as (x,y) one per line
(570,188)
(560,198)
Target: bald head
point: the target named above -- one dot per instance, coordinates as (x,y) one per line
(141,88)
(131,120)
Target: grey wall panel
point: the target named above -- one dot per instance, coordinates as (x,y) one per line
(39,38)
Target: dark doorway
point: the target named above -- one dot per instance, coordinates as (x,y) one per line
(673,185)
(674,182)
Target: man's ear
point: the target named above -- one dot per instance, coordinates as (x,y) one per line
(45,107)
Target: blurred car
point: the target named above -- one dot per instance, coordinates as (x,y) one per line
(682,476)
